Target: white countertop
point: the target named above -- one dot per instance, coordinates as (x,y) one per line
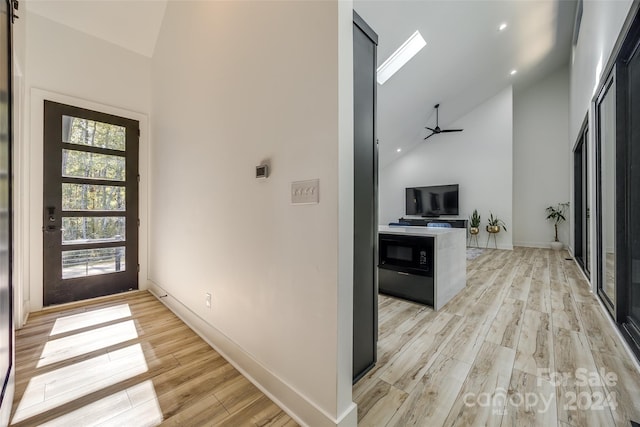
(418,230)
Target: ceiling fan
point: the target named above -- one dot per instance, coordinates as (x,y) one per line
(437,129)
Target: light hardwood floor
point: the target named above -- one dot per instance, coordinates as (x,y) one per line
(128,361)
(525,319)
(524,344)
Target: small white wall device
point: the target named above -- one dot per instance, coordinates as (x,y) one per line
(262,171)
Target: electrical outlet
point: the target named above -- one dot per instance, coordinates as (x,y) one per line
(208,300)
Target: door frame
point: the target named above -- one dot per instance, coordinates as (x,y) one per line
(57,288)
(581,195)
(611,84)
(29,204)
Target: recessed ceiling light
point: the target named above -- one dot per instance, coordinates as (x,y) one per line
(502,26)
(398,150)
(513,72)
(400,57)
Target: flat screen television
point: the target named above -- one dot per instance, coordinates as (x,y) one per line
(432,201)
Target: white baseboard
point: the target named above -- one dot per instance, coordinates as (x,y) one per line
(542,245)
(26,312)
(501,247)
(303,411)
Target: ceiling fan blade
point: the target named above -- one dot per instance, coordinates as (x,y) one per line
(429,136)
(432,130)
(452,130)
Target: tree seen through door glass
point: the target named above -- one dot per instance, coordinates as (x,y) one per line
(80,131)
(92,197)
(85,164)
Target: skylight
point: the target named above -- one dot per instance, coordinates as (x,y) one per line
(400,57)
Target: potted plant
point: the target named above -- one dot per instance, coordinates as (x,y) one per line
(474,222)
(556,214)
(495,224)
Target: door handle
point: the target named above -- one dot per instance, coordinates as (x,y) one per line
(51,219)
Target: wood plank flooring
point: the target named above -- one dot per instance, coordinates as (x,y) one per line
(524,344)
(128,361)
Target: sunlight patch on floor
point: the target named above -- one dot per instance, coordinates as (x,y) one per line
(50,390)
(90,318)
(86,342)
(119,411)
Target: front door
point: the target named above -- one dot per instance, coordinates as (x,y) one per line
(90,218)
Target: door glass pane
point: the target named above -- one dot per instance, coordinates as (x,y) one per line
(91,262)
(90,197)
(96,134)
(77,230)
(607,128)
(84,164)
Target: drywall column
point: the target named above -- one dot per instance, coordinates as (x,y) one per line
(236,84)
(540,159)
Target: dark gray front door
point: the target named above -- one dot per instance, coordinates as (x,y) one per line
(90,218)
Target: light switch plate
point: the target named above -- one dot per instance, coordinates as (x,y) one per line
(305,192)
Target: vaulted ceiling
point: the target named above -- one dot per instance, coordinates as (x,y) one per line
(133,25)
(466,60)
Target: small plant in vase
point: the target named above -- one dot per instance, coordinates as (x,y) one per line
(493,228)
(474,223)
(557,215)
(495,224)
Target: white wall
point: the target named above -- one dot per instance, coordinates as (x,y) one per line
(234,84)
(61,59)
(601,25)
(541,170)
(68,66)
(479,159)
(602,21)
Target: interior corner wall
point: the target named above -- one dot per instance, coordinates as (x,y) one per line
(479,159)
(236,84)
(69,65)
(541,171)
